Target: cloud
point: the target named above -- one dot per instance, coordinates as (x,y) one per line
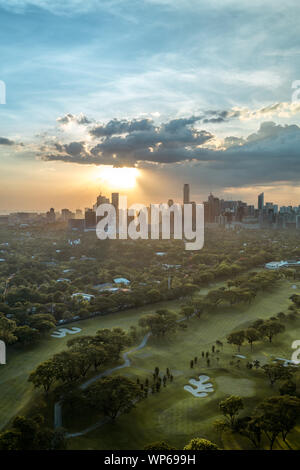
(80,119)
(124,126)
(268,155)
(282,110)
(127,142)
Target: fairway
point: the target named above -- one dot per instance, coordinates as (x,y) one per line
(16,391)
(174,414)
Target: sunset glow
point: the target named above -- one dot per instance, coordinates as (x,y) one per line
(114,178)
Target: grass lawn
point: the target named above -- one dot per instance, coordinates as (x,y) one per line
(16,391)
(174,414)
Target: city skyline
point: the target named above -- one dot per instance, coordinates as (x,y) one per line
(186,198)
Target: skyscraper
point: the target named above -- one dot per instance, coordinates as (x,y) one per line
(102,200)
(260,203)
(186,194)
(115,200)
(90,218)
(213,208)
(51,216)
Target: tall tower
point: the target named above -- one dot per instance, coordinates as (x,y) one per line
(115,200)
(260,202)
(186,194)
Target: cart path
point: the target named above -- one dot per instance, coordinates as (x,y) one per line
(126,363)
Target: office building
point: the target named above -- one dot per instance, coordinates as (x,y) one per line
(90,218)
(260,202)
(115,200)
(186,194)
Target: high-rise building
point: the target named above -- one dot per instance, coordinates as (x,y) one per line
(90,218)
(66,214)
(51,216)
(213,208)
(102,200)
(115,200)
(186,193)
(260,202)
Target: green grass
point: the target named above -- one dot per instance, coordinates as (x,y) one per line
(16,393)
(174,414)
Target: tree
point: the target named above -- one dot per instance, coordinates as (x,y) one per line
(276,372)
(9,440)
(67,366)
(153,295)
(288,387)
(203,305)
(160,323)
(270,328)
(159,445)
(114,341)
(93,350)
(278,415)
(220,425)
(187,311)
(200,444)
(42,322)
(251,335)
(31,434)
(250,428)
(44,375)
(26,335)
(113,395)
(231,408)
(7,329)
(237,338)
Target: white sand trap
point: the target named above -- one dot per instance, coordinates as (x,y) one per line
(62,332)
(286,362)
(202,388)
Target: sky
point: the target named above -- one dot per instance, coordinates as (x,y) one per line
(183,91)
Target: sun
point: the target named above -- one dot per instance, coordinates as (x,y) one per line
(118,178)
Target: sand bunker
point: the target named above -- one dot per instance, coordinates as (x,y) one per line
(62,332)
(202,387)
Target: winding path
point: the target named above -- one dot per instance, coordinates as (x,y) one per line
(126,363)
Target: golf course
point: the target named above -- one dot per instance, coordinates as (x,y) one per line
(174,414)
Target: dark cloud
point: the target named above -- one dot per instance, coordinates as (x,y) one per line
(5,141)
(126,142)
(270,154)
(80,119)
(119,127)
